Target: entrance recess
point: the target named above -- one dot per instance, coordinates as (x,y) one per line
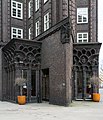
(85,62)
(22,58)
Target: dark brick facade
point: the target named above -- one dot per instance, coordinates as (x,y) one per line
(55,73)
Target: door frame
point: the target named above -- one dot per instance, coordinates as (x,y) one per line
(45,85)
(37,97)
(84,86)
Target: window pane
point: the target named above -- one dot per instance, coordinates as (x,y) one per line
(79,40)
(19,5)
(84,35)
(46,21)
(14,36)
(80,36)
(85,40)
(16,9)
(79,18)
(19,36)
(14,4)
(37,28)
(84,19)
(82,15)
(30,33)
(14,12)
(46,17)
(19,31)
(14,31)
(19,13)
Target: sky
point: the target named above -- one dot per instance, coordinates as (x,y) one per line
(100,29)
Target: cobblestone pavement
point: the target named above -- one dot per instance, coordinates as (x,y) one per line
(78,110)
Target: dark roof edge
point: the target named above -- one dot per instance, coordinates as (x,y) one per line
(89,43)
(20,40)
(52,30)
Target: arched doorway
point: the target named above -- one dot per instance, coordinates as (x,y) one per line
(22,58)
(85,63)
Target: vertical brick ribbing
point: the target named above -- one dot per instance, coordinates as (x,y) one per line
(93,21)
(9,20)
(65,8)
(72,16)
(25,19)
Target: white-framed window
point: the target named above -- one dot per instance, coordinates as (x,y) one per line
(16,32)
(82,15)
(46,21)
(29,33)
(37,28)
(36,5)
(29,8)
(17,9)
(82,37)
(45,1)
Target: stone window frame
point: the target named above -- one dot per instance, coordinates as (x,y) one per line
(46,21)
(29,8)
(17,9)
(81,38)
(15,32)
(82,15)
(37,28)
(36,5)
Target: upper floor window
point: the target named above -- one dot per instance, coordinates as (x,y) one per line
(37,28)
(82,15)
(29,8)
(29,33)
(17,9)
(46,21)
(45,1)
(16,33)
(82,37)
(36,5)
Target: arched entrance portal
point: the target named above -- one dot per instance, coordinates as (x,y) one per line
(22,58)
(85,63)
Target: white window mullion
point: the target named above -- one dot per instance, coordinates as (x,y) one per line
(29,8)
(16,33)
(37,28)
(36,5)
(15,7)
(82,15)
(46,21)
(82,37)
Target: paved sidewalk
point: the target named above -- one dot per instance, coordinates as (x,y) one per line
(44,111)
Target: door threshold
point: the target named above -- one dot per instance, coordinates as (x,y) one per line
(79,99)
(83,99)
(88,99)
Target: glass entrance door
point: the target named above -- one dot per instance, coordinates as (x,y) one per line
(88,86)
(29,88)
(83,87)
(79,85)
